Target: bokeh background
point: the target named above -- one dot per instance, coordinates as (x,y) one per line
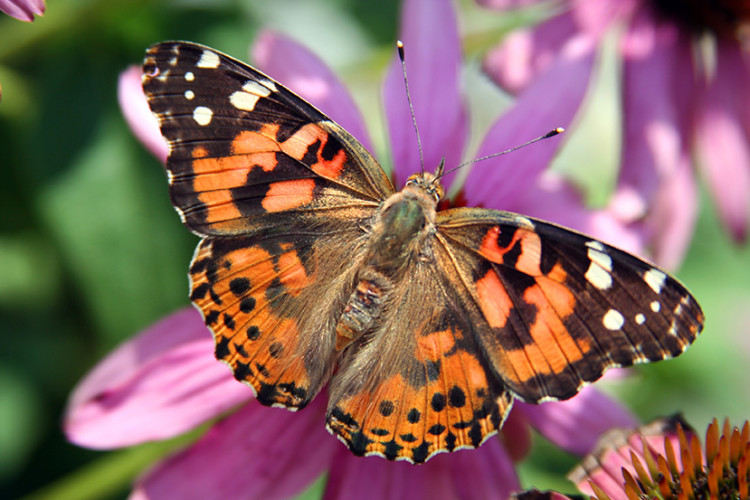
(91,250)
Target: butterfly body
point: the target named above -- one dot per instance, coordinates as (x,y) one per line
(424,324)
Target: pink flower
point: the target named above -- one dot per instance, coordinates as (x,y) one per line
(166,381)
(680,96)
(664,459)
(25,10)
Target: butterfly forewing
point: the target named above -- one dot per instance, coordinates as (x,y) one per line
(245,153)
(560,308)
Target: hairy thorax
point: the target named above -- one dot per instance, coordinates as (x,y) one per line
(400,235)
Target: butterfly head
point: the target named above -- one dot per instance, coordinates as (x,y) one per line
(428,183)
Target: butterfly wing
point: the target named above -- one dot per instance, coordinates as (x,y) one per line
(500,306)
(280,194)
(247,155)
(417,386)
(559,308)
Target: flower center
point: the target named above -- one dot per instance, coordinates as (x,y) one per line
(724,18)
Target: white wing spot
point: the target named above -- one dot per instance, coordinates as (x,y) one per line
(598,273)
(209,59)
(270,85)
(189,76)
(598,277)
(673,328)
(640,318)
(655,306)
(257,88)
(202,115)
(524,222)
(243,100)
(596,245)
(613,320)
(189,95)
(655,279)
(162,76)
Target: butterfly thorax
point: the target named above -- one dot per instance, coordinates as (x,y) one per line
(399,236)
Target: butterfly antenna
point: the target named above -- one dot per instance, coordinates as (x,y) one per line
(402,57)
(551,133)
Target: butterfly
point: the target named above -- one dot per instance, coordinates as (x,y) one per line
(424,324)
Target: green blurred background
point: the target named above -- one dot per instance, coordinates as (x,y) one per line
(91,250)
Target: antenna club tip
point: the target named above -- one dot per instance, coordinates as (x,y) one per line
(553,132)
(400,47)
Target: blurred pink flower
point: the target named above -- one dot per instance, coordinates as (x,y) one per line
(166,381)
(685,90)
(25,10)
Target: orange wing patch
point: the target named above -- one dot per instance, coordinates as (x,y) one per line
(530,245)
(241,293)
(493,300)
(455,406)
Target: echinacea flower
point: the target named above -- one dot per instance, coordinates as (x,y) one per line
(166,381)
(685,95)
(664,460)
(25,10)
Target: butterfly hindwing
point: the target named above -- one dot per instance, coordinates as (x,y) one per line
(417,385)
(271,302)
(560,308)
(245,153)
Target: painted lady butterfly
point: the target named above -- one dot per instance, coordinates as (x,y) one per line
(425,324)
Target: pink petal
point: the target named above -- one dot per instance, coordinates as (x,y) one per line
(161,383)
(724,140)
(551,101)
(604,466)
(137,113)
(23,9)
(258,452)
(298,69)
(576,424)
(506,4)
(671,221)
(555,200)
(595,17)
(526,53)
(433,61)
(486,472)
(657,97)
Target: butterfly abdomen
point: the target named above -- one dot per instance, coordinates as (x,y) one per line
(398,236)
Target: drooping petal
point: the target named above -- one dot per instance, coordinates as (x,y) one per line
(576,424)
(433,61)
(25,10)
(723,139)
(501,181)
(137,113)
(483,473)
(303,72)
(163,382)
(256,453)
(657,92)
